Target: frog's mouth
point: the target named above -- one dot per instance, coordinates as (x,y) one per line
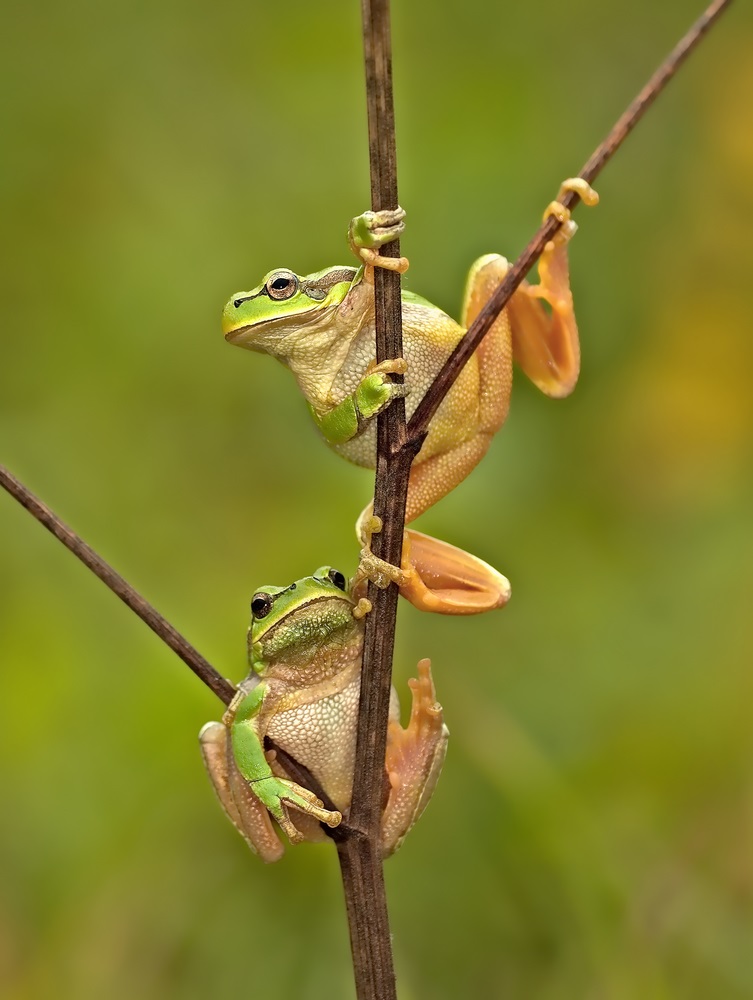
(282,338)
(259,336)
(243,334)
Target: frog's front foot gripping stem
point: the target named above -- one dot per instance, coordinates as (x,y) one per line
(376,389)
(372,230)
(587,195)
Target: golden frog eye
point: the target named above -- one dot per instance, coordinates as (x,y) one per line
(282,285)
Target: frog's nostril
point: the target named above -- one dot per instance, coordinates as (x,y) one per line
(236,303)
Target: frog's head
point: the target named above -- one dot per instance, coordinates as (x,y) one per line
(293,621)
(284,305)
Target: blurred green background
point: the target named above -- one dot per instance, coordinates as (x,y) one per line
(592,835)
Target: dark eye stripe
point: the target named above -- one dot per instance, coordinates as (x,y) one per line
(326,282)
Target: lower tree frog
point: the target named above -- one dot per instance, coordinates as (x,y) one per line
(301,698)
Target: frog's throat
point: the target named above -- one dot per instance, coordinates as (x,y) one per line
(315,361)
(319,679)
(314,350)
(298,638)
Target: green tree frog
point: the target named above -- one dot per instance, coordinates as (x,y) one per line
(321,326)
(300,700)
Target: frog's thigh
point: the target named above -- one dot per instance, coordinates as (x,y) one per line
(546,345)
(433,478)
(413,761)
(494,353)
(243,809)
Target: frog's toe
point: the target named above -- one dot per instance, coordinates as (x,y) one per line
(362,608)
(374,259)
(388,217)
(374,229)
(424,694)
(379,571)
(368,524)
(582,188)
(385,225)
(555,208)
(390,366)
(307,802)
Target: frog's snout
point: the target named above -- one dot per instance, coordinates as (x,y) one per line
(231,320)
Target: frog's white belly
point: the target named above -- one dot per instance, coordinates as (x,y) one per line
(321,737)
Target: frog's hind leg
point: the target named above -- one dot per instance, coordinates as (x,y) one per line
(495,352)
(546,344)
(243,809)
(433,575)
(434,478)
(413,761)
(437,476)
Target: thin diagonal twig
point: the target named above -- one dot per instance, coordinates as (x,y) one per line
(593,166)
(201,667)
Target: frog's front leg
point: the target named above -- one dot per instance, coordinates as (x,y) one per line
(413,760)
(376,390)
(278,795)
(374,393)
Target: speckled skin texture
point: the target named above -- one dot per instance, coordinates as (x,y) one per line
(329,348)
(470,414)
(317,730)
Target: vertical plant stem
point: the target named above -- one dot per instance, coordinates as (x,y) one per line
(360,851)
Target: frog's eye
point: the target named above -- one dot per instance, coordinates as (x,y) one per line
(261,605)
(336,577)
(282,286)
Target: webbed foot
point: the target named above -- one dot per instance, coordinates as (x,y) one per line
(413,759)
(433,575)
(446,580)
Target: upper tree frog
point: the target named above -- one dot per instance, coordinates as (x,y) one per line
(301,697)
(321,326)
